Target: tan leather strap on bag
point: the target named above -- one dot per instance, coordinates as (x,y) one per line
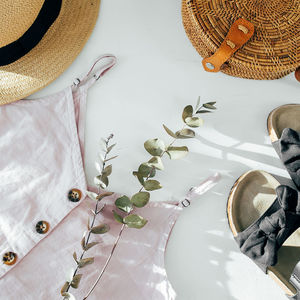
(240,32)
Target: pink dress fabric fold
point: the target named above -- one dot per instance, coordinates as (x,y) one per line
(41,146)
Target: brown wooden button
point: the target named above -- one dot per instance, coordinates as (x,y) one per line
(42,227)
(9,258)
(74,195)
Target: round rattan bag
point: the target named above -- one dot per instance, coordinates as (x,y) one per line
(270,51)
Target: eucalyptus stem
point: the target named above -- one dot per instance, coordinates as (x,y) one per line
(121,231)
(106,263)
(95,213)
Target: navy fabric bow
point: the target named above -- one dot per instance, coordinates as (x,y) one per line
(262,239)
(289,151)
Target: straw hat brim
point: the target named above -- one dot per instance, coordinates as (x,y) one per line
(54,53)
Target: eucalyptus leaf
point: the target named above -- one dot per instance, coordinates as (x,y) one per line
(110,148)
(107,170)
(185,133)
(209,106)
(76,280)
(156,162)
(99,182)
(146,170)
(85,261)
(169,132)
(83,243)
(194,121)
(103,195)
(177,152)
(140,199)
(212,103)
(135,221)
(203,111)
(152,185)
(187,112)
(64,287)
(118,218)
(92,195)
(88,224)
(139,177)
(113,157)
(90,245)
(123,203)
(104,179)
(100,229)
(75,256)
(155,146)
(68,296)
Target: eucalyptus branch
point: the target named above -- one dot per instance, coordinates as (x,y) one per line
(102,182)
(147,170)
(125,206)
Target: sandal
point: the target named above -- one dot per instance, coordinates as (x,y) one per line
(264,217)
(284,130)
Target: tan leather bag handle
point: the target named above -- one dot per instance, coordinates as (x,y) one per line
(239,33)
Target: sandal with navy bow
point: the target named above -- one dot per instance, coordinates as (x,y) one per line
(264,216)
(284,131)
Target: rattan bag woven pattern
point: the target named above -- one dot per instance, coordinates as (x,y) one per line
(271,53)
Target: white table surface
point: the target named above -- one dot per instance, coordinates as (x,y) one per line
(157,74)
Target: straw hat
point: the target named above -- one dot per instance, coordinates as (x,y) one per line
(39,40)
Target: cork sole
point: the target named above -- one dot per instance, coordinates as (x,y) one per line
(251,195)
(285,116)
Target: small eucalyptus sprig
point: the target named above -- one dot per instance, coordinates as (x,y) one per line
(101,181)
(147,170)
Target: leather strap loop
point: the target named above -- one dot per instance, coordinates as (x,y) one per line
(240,32)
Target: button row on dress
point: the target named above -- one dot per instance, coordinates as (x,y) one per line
(9,258)
(41,227)
(74,195)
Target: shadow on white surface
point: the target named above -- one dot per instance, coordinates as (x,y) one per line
(202,232)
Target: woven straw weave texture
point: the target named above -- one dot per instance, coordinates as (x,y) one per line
(54,53)
(271,53)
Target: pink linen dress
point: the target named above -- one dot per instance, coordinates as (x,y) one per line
(44,208)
